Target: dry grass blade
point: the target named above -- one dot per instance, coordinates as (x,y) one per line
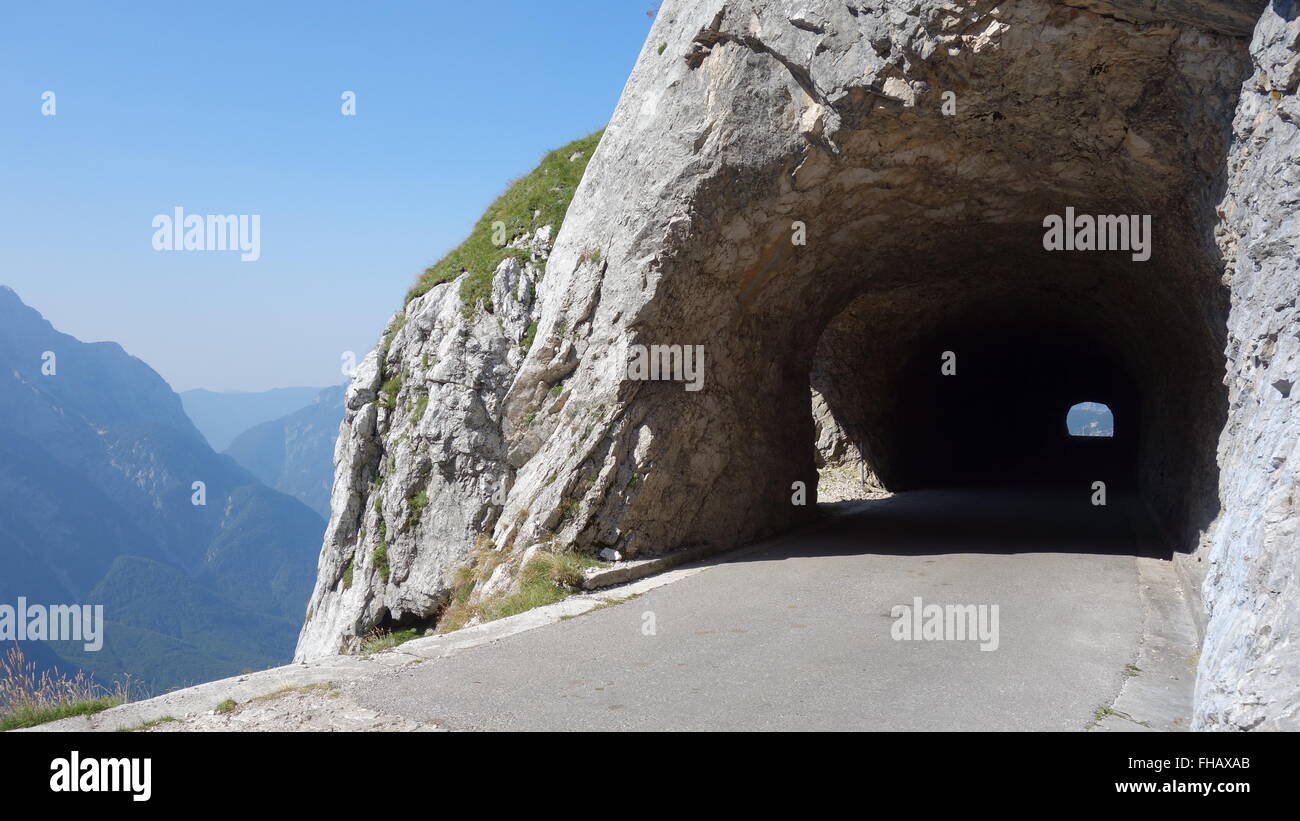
(28,698)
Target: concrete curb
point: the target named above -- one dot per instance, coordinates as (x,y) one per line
(1157,693)
(618,573)
(1191,577)
(615,583)
(203,698)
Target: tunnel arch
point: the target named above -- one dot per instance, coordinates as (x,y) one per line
(1030,336)
(808,228)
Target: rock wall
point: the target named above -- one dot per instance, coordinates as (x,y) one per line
(1249,674)
(744,118)
(420,457)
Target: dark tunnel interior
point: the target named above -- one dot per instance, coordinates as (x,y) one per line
(981,406)
(967,382)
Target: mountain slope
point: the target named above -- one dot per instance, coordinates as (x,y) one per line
(98,464)
(295,454)
(223,415)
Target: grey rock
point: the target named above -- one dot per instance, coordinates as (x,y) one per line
(416,471)
(1249,674)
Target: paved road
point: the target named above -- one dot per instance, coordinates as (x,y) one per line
(795,634)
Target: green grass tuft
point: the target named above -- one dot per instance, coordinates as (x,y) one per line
(25,716)
(384,639)
(415,506)
(380,558)
(148,724)
(533,201)
(546,579)
(389,390)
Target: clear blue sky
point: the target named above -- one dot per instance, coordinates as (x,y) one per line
(234,108)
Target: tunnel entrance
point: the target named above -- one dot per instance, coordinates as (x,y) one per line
(948,329)
(818,226)
(967,384)
(986,410)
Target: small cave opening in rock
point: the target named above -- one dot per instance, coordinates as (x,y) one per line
(407,624)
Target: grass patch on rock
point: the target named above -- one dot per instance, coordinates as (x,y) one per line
(378,640)
(148,725)
(538,199)
(548,577)
(380,560)
(415,508)
(28,716)
(389,390)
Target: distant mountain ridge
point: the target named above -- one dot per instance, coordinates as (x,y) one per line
(295,454)
(223,415)
(97,468)
(1090,419)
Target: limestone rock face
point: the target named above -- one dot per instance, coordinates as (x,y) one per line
(832,195)
(419,458)
(1249,674)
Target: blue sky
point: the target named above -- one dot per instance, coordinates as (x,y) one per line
(234,108)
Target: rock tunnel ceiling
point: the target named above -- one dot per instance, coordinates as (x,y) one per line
(835,194)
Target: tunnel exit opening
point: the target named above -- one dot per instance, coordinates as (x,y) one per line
(1090,420)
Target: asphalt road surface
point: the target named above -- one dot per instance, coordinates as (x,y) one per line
(797,633)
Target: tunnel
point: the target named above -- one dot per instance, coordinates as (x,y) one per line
(817,228)
(857,264)
(967,383)
(988,405)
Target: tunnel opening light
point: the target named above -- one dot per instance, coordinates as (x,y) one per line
(1090,419)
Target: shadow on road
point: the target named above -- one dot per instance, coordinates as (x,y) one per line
(999,521)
